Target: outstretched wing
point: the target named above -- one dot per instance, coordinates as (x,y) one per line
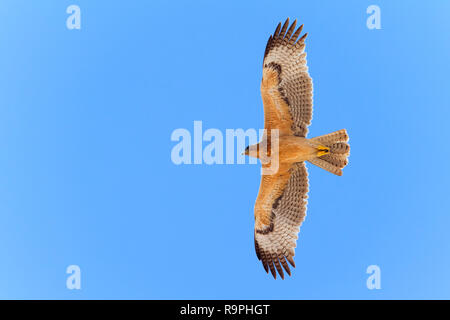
(286,87)
(279,211)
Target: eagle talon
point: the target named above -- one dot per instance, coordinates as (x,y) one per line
(322,150)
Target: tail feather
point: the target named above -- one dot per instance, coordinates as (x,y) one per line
(339,150)
(331,138)
(327,166)
(338,160)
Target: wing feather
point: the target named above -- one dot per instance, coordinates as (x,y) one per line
(279,211)
(289,32)
(286,87)
(286,90)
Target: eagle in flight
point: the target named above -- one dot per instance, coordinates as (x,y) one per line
(286,90)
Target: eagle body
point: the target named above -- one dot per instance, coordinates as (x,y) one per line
(295,149)
(286,90)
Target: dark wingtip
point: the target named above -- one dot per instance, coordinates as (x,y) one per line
(291,261)
(277,30)
(264,263)
(272,269)
(303,37)
(274,274)
(296,34)
(284,28)
(285,265)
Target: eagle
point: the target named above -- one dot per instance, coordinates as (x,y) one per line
(287,95)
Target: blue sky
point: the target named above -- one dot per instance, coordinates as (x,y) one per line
(86,176)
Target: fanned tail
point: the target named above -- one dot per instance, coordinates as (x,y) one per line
(333,151)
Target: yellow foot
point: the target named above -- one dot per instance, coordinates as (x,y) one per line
(322,150)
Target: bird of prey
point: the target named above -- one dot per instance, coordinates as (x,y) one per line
(286,90)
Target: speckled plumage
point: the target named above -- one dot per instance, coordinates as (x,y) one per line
(286,90)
